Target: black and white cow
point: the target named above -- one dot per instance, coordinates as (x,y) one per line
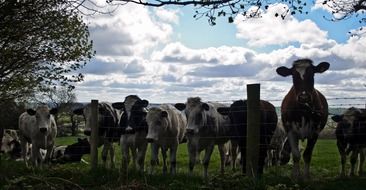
(37,127)
(133,123)
(71,153)
(237,113)
(167,126)
(304,110)
(109,130)
(10,144)
(351,137)
(276,147)
(205,128)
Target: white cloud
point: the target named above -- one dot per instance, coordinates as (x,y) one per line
(170,16)
(271,30)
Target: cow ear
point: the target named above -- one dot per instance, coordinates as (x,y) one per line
(118,105)
(53,111)
(180,106)
(78,111)
(164,114)
(144,103)
(205,106)
(284,71)
(337,118)
(323,66)
(223,110)
(31,111)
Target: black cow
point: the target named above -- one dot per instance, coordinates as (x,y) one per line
(109,130)
(238,117)
(304,110)
(133,123)
(71,153)
(351,137)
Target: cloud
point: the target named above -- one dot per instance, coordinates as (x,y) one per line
(170,16)
(271,30)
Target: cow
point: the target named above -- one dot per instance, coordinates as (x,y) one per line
(109,130)
(134,126)
(71,153)
(304,111)
(237,113)
(276,146)
(10,144)
(37,127)
(351,137)
(205,129)
(167,127)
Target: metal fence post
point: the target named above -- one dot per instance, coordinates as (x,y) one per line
(253,129)
(94,134)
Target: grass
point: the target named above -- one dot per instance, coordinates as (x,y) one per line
(324,170)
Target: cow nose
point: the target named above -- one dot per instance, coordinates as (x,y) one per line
(190,131)
(150,140)
(43,130)
(304,98)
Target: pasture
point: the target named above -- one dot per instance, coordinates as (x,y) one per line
(325,169)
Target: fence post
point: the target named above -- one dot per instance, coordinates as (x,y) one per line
(94,134)
(253,129)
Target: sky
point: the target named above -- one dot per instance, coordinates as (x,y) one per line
(164,55)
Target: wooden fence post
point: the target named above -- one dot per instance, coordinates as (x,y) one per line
(94,134)
(253,129)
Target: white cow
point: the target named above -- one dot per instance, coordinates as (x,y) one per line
(167,127)
(37,127)
(205,129)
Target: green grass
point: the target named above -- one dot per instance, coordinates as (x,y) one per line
(324,170)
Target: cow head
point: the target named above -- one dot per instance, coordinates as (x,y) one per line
(44,117)
(197,118)
(106,116)
(81,147)
(158,121)
(134,115)
(350,122)
(302,72)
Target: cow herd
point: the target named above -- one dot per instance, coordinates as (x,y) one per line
(201,125)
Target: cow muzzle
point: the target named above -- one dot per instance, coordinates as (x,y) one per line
(190,131)
(43,130)
(304,98)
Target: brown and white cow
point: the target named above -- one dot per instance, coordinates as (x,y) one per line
(167,127)
(205,128)
(109,130)
(351,137)
(37,127)
(134,127)
(304,110)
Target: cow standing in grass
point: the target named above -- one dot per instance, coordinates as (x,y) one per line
(134,127)
(37,127)
(205,128)
(167,127)
(351,137)
(109,131)
(304,110)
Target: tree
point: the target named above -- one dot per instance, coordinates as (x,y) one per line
(42,44)
(341,9)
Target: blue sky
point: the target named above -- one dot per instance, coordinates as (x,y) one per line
(164,55)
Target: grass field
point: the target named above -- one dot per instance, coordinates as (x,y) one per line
(324,170)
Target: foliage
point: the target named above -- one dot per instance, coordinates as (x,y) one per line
(212,9)
(10,112)
(42,42)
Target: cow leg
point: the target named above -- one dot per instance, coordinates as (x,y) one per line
(48,153)
(362,160)
(342,152)
(262,158)
(24,150)
(154,156)
(206,159)
(35,156)
(133,150)
(222,152)
(294,144)
(163,153)
(125,154)
(192,153)
(234,154)
(111,154)
(353,162)
(308,154)
(173,158)
(105,153)
(141,156)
